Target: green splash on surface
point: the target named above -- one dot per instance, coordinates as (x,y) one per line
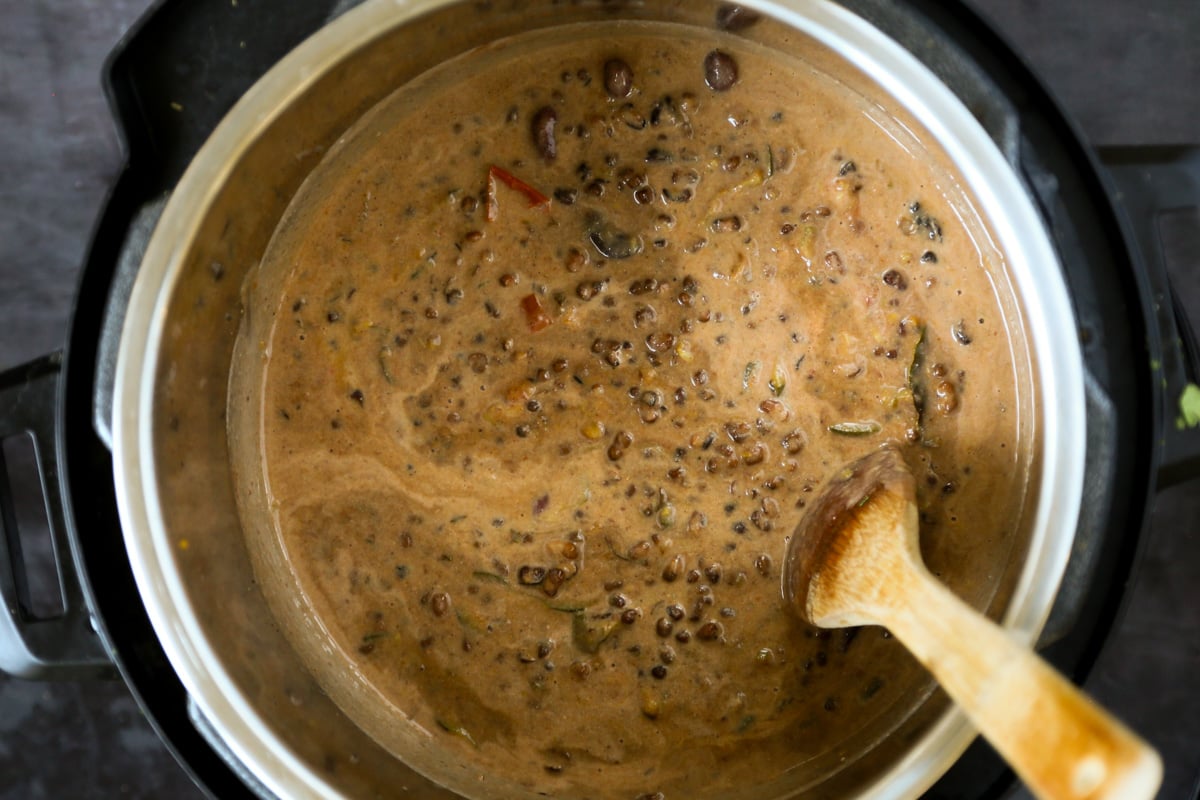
(1189,405)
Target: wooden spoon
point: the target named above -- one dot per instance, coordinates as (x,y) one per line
(854,560)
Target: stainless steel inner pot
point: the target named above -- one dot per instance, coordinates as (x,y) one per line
(171,455)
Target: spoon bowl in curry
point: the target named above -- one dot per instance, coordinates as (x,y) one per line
(855,560)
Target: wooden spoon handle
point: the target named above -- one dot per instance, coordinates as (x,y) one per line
(1060,743)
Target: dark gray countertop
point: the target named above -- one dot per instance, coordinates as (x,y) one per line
(1129,72)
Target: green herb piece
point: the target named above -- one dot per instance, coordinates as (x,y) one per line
(588,635)
(385,364)
(854,428)
(483,575)
(567,608)
(457,730)
(612,548)
(470,622)
(750,373)
(1189,405)
(371,637)
(872,688)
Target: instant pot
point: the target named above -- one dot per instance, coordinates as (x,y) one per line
(1102,223)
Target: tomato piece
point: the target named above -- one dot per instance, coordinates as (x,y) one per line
(535,315)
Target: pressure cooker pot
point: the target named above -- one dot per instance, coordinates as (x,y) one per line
(289,689)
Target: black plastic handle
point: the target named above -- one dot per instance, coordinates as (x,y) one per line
(1152,182)
(65,645)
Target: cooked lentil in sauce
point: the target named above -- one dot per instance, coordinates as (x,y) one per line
(562,349)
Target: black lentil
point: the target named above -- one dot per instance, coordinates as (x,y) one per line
(720,71)
(618,78)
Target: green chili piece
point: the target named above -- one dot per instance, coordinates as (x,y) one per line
(778,381)
(912,377)
(914,363)
(1189,406)
(855,428)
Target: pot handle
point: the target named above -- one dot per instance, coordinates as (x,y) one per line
(1155,185)
(65,645)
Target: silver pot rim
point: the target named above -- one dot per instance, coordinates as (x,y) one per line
(1015,223)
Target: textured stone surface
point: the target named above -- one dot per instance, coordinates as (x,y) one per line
(1128,72)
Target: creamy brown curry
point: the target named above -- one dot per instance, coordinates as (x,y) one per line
(566,335)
